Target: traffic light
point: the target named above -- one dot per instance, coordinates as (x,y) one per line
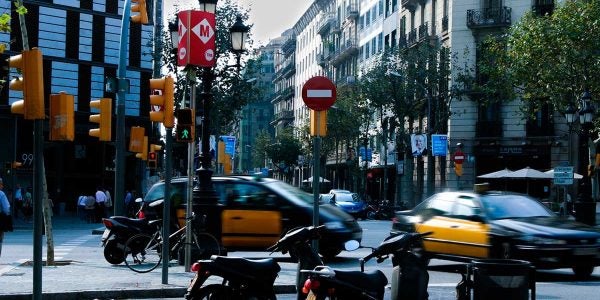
(153,156)
(31,84)
(62,117)
(185,125)
(166,85)
(318,128)
(140,8)
(104,118)
(136,139)
(143,155)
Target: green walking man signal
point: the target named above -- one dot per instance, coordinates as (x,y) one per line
(185,125)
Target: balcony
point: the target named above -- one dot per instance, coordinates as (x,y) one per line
(489,17)
(486,129)
(412,37)
(289,46)
(325,24)
(410,4)
(287,93)
(402,41)
(288,68)
(348,49)
(323,59)
(352,10)
(285,116)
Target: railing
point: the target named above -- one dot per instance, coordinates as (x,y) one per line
(423,31)
(325,24)
(410,4)
(412,37)
(352,10)
(489,17)
(289,45)
(348,48)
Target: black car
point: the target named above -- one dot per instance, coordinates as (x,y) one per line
(469,225)
(254,212)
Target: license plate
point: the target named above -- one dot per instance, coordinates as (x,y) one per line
(585,251)
(311,296)
(105,234)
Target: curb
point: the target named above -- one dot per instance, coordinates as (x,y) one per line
(161,292)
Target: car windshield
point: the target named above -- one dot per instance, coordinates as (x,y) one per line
(513,206)
(345,197)
(290,192)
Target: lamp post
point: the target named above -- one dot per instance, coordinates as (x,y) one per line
(204,193)
(584,207)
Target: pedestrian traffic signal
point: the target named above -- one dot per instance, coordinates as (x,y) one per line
(185,125)
(152,160)
(166,87)
(62,117)
(31,84)
(104,118)
(143,155)
(141,9)
(136,139)
(155,148)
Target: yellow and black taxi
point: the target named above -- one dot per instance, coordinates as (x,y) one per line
(469,225)
(253,212)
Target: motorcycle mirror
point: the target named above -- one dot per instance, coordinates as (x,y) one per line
(156,203)
(138,200)
(351,245)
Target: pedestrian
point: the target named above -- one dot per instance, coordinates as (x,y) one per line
(128,204)
(108,203)
(100,204)
(18,200)
(5,216)
(27,205)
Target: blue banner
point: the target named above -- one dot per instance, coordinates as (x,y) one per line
(439,144)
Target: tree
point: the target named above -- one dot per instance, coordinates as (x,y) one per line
(284,152)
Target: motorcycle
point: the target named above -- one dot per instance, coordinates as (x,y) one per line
(380,210)
(409,275)
(253,279)
(118,230)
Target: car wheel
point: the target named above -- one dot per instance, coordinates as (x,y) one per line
(583,272)
(329,253)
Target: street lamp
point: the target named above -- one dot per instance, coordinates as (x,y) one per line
(584,211)
(204,193)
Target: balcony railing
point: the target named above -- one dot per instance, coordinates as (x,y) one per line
(289,45)
(412,37)
(325,24)
(402,41)
(489,17)
(489,129)
(286,115)
(352,10)
(410,4)
(347,49)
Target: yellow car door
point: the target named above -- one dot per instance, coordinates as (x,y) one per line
(249,220)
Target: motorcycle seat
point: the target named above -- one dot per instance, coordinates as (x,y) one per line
(266,266)
(369,280)
(139,223)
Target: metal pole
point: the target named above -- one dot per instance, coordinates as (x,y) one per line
(316,177)
(190,172)
(167,209)
(120,129)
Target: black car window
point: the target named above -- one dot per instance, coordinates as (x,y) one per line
(513,206)
(247,195)
(178,193)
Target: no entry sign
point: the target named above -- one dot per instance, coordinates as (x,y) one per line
(319,93)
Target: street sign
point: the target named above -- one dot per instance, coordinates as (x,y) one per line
(563,175)
(229,144)
(319,93)
(197,35)
(439,144)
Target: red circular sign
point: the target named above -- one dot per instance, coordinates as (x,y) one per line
(319,93)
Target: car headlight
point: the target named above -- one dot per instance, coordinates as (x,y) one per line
(334,225)
(542,241)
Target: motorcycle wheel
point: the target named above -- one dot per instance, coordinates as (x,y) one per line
(212,292)
(113,254)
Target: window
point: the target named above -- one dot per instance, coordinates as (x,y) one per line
(466,207)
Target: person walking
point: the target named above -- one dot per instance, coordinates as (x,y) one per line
(108,203)
(27,205)
(5,218)
(18,201)
(100,204)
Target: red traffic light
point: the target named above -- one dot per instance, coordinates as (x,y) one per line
(152,156)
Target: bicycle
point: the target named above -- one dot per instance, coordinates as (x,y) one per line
(145,250)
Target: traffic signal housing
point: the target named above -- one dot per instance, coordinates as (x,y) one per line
(29,62)
(318,122)
(166,86)
(136,139)
(185,125)
(143,155)
(139,6)
(62,117)
(104,118)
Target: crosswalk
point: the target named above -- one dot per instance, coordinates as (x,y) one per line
(62,250)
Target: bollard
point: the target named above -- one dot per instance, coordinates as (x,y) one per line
(492,279)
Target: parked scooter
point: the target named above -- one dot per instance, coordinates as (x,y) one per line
(118,230)
(253,279)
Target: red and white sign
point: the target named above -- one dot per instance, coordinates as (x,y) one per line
(319,93)
(459,157)
(197,35)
